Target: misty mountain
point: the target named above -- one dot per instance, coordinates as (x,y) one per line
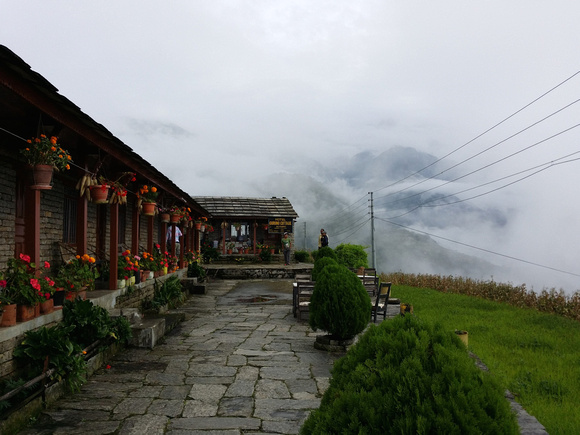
(330,198)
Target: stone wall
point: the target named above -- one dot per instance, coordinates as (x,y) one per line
(7,211)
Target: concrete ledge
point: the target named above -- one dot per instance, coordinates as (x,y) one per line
(148,332)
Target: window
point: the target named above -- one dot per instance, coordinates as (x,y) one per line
(69,230)
(122,224)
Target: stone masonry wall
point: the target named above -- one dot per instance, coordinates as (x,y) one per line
(7,211)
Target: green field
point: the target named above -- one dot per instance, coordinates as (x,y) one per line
(534,355)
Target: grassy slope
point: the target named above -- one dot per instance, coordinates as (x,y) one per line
(534,355)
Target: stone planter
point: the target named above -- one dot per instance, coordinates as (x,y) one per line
(330,343)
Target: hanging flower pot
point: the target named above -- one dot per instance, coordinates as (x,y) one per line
(100,193)
(198,226)
(175,218)
(165,217)
(149,208)
(42,177)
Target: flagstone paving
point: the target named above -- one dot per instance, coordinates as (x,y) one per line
(231,367)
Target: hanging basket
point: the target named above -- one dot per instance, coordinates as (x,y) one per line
(42,177)
(149,208)
(198,226)
(100,193)
(175,218)
(165,217)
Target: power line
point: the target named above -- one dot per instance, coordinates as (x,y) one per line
(484,132)
(543,166)
(488,165)
(356,230)
(480,249)
(485,150)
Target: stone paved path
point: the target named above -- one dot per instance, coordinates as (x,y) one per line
(231,367)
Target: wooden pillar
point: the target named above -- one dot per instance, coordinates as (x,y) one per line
(163,236)
(82,219)
(135,231)
(32,224)
(223,238)
(255,231)
(114,245)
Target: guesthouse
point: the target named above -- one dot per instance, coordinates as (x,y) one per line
(244,225)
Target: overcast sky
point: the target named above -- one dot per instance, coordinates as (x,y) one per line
(245,89)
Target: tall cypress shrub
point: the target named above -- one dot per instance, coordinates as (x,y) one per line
(339,305)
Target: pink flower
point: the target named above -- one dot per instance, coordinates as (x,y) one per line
(25,258)
(137,258)
(35,284)
(3,283)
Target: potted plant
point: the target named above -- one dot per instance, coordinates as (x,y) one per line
(45,155)
(7,304)
(199,222)
(339,305)
(77,276)
(230,247)
(146,266)
(26,288)
(126,267)
(148,197)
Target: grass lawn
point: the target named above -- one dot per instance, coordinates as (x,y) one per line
(534,355)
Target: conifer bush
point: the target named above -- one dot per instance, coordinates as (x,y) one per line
(405,376)
(353,256)
(321,264)
(339,305)
(325,251)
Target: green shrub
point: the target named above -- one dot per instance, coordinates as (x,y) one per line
(194,270)
(406,376)
(169,293)
(352,256)
(63,354)
(92,323)
(302,256)
(326,251)
(339,304)
(209,254)
(265,255)
(320,264)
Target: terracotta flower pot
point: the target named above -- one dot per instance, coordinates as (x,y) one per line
(175,218)
(198,226)
(42,176)
(149,208)
(24,313)
(47,306)
(100,193)
(165,217)
(8,315)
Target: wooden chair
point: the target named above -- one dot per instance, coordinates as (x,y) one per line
(303,292)
(381,301)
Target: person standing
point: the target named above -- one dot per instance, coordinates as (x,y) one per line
(322,239)
(286,244)
(178,234)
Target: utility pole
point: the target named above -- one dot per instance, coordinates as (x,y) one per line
(374,263)
(305,236)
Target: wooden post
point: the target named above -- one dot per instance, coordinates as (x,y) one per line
(114,246)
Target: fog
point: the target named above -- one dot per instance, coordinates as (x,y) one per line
(323,102)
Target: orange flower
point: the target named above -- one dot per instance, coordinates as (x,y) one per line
(153,189)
